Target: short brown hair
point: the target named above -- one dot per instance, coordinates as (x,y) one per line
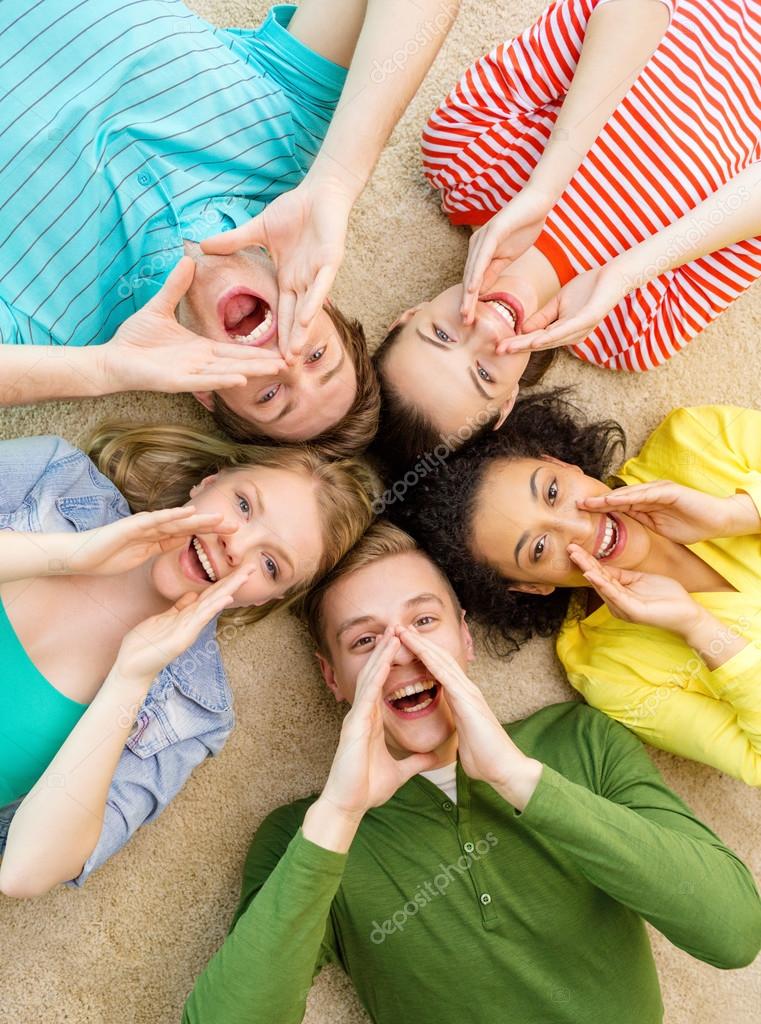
(382,540)
(404,432)
(354,431)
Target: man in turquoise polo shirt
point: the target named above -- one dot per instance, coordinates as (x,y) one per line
(130,132)
(461,870)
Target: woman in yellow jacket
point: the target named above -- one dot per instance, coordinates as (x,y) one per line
(666,637)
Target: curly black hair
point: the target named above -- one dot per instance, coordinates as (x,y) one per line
(437,509)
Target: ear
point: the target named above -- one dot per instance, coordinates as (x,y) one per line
(206,398)
(404,318)
(196,488)
(506,408)
(542,589)
(329,676)
(467,637)
(565,465)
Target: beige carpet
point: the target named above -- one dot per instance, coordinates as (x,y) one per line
(127,948)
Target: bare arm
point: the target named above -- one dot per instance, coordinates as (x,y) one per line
(42,373)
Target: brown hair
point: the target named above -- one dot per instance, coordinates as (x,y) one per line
(404,432)
(354,432)
(154,466)
(382,540)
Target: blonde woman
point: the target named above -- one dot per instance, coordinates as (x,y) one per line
(114,565)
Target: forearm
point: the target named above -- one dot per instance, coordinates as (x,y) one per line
(31,555)
(695,891)
(730,215)
(263,972)
(619,39)
(57,826)
(41,373)
(384,74)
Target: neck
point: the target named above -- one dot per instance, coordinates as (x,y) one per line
(668,558)
(532,279)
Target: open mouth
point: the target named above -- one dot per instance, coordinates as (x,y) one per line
(246,317)
(196,563)
(612,540)
(507,307)
(414,700)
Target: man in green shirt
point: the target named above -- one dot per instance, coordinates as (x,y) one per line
(459,870)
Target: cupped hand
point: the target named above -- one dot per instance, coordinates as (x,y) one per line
(572,313)
(127,543)
(499,242)
(151,351)
(682,514)
(486,752)
(152,644)
(304,231)
(364,774)
(644,598)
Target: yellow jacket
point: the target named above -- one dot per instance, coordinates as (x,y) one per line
(648,678)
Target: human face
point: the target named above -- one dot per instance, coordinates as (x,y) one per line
(526,515)
(450,371)
(406,590)
(277,533)
(234,299)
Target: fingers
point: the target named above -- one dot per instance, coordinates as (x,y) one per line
(227,242)
(220,595)
(480,252)
(375,672)
(286,311)
(534,335)
(175,286)
(659,492)
(439,662)
(314,298)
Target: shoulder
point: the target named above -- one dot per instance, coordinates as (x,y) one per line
(271,839)
(687,431)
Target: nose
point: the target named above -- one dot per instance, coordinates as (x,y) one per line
(236,546)
(404,656)
(575,525)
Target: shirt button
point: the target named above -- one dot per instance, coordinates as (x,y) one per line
(447,805)
(468,847)
(144,178)
(485,899)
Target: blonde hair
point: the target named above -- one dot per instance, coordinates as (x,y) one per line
(154,466)
(382,540)
(352,434)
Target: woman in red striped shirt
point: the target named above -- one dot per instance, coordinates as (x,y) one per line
(609,159)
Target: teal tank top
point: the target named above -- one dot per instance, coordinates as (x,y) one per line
(35,717)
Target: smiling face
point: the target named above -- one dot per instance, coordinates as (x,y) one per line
(234,299)
(404,589)
(450,371)
(278,532)
(526,515)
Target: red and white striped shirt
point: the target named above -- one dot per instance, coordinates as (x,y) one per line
(689,124)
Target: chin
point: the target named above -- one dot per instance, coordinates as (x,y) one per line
(422,737)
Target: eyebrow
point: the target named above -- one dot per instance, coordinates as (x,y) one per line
(360,620)
(280,552)
(447,348)
(524,536)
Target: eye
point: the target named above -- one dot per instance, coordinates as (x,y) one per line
(424,620)
(484,374)
(316,356)
(539,548)
(552,492)
(363,641)
(269,395)
(270,567)
(441,335)
(243,505)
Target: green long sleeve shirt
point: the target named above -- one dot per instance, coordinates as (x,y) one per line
(474,912)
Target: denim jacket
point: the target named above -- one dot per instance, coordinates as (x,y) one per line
(46,485)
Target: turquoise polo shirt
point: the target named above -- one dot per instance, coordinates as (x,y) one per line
(127,126)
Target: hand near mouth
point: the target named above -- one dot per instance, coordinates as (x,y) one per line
(152,351)
(682,514)
(644,598)
(486,752)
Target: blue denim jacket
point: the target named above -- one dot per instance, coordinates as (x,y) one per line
(46,485)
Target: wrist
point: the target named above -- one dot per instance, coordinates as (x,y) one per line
(517,783)
(742,517)
(699,627)
(329,175)
(329,826)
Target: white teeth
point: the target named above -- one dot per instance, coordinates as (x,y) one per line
(259,331)
(609,540)
(407,691)
(204,560)
(506,312)
(418,707)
